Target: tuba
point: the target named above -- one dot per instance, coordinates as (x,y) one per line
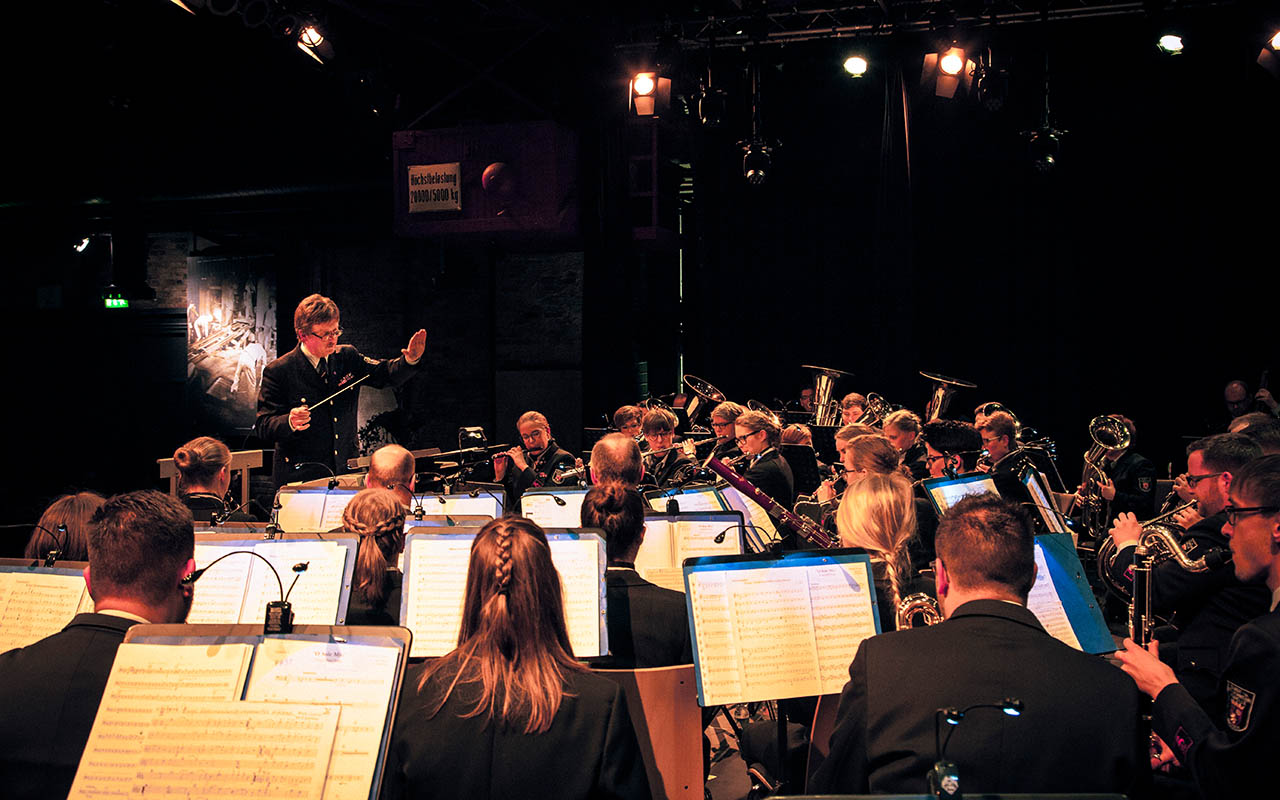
(1160,541)
(917,610)
(1109,434)
(874,412)
(826,407)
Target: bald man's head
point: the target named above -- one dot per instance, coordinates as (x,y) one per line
(616,459)
(391,467)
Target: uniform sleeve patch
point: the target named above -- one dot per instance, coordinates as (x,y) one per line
(1239,707)
(1182,743)
(1144,484)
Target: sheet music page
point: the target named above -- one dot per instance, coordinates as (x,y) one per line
(334,504)
(314,597)
(38,605)
(143,677)
(218,595)
(253,750)
(773,625)
(300,511)
(760,527)
(465,504)
(1044,602)
(435,582)
(718,660)
(657,551)
(358,678)
(667,577)
(578,562)
(695,538)
(843,615)
(692,500)
(543,509)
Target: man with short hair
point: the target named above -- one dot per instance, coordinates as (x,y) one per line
(1206,606)
(999,434)
(1267,436)
(852,407)
(534,462)
(616,459)
(392,467)
(665,460)
(1228,750)
(950,445)
(627,420)
(316,446)
(1078,730)
(140,548)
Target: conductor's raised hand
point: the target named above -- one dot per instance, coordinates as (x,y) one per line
(300,418)
(417,346)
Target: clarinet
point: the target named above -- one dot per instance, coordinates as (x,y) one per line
(803,526)
(1141,625)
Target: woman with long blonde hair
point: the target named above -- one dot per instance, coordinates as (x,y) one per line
(878,515)
(509,713)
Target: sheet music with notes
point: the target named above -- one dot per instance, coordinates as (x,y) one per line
(358,678)
(144,677)
(434,586)
(335,502)
(773,628)
(761,529)
(300,511)
(34,605)
(700,499)
(543,509)
(668,543)
(238,588)
(464,504)
(1046,604)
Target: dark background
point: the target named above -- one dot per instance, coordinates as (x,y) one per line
(1137,277)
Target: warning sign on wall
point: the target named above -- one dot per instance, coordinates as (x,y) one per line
(434,187)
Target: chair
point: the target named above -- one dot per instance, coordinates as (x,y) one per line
(663,703)
(824,724)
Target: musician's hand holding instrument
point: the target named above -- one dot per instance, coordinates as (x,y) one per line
(1126,530)
(1187,518)
(1145,667)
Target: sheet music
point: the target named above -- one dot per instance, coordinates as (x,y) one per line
(358,678)
(778,632)
(761,528)
(334,504)
(36,605)
(1044,602)
(466,505)
(300,511)
(658,549)
(143,677)
(690,500)
(578,562)
(218,595)
(436,578)
(435,584)
(252,750)
(544,510)
(696,538)
(667,544)
(314,597)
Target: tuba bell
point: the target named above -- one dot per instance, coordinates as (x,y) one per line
(1109,434)
(874,412)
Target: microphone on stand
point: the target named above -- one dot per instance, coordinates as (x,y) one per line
(944,778)
(333,478)
(53,554)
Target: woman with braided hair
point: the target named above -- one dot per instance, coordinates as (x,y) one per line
(878,515)
(378,516)
(510,713)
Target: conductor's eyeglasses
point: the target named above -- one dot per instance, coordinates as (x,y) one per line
(333,334)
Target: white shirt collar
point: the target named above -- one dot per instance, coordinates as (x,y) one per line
(115,612)
(1275,598)
(312,359)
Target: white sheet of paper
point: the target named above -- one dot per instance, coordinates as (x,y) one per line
(314,597)
(435,584)
(544,510)
(34,605)
(334,504)
(578,562)
(1046,604)
(218,596)
(359,678)
(300,511)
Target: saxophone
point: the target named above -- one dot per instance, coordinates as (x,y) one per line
(1160,541)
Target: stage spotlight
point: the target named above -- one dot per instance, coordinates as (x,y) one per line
(947,71)
(712,105)
(650,94)
(1275,41)
(855,66)
(1042,148)
(952,61)
(313,42)
(757,162)
(1170,44)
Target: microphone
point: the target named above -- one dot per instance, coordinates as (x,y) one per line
(333,478)
(279,614)
(944,778)
(559,500)
(218,519)
(448,519)
(53,554)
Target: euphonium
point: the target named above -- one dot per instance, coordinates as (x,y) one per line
(874,412)
(1109,434)
(917,606)
(1162,541)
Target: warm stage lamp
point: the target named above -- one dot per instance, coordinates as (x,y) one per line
(952,61)
(312,42)
(1170,43)
(757,162)
(649,94)
(855,66)
(311,36)
(644,84)
(1275,41)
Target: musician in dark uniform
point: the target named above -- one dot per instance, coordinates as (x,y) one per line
(951,447)
(204,474)
(758,436)
(1078,730)
(532,464)
(664,460)
(1206,607)
(1131,478)
(722,419)
(902,428)
(310,372)
(1229,750)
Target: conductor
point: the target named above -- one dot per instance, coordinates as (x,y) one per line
(295,384)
